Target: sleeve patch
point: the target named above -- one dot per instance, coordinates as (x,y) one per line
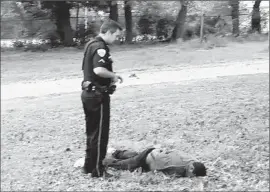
(101,60)
(101,52)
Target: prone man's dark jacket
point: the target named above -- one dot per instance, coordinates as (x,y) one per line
(97,54)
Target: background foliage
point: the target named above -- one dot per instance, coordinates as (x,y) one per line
(150,19)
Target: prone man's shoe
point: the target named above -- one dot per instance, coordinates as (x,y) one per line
(107,175)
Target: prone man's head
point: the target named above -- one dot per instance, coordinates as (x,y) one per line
(196,169)
(110,31)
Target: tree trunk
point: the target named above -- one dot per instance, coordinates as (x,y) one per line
(178,30)
(128,20)
(77,19)
(24,23)
(64,30)
(235,16)
(113,10)
(256,17)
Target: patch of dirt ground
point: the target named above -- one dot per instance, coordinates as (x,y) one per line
(224,122)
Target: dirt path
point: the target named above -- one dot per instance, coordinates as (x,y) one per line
(41,88)
(29,67)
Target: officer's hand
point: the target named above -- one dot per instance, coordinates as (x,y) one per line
(85,84)
(120,78)
(116,77)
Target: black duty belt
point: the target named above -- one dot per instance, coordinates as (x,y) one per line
(103,89)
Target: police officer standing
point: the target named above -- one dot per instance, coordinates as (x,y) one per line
(98,83)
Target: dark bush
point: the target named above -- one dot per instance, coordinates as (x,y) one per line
(18,44)
(193,26)
(83,36)
(146,24)
(164,27)
(53,37)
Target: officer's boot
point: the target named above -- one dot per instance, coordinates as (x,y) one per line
(101,173)
(129,164)
(87,168)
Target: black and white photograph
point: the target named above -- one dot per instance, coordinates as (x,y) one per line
(157,95)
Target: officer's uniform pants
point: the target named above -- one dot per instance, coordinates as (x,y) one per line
(97,117)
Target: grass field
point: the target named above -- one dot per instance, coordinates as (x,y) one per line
(224,122)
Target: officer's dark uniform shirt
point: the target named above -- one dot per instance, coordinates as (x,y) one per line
(97,54)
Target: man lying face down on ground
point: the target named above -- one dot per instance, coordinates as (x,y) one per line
(151,159)
(170,163)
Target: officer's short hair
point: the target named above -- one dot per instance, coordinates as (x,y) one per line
(199,169)
(110,25)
